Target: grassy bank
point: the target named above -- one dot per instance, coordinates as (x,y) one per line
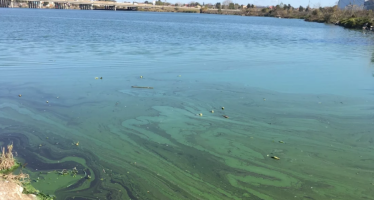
(347,18)
(7,166)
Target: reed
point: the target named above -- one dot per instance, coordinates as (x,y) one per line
(7,160)
(19,179)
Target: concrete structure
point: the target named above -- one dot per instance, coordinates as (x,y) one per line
(6,3)
(351,4)
(86,6)
(83,5)
(59,5)
(369,5)
(34,4)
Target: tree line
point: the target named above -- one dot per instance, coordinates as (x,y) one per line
(229,4)
(226,4)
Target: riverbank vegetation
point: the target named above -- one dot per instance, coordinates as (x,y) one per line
(351,17)
(7,166)
(170,9)
(7,161)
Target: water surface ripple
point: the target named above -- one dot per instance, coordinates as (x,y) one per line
(296,90)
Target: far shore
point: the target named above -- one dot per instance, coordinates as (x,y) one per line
(354,19)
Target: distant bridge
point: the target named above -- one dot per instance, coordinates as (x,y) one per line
(82,4)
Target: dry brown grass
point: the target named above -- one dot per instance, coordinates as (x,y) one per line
(7,160)
(19,179)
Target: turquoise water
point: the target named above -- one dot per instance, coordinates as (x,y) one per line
(296,90)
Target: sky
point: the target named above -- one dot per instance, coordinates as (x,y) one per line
(294,3)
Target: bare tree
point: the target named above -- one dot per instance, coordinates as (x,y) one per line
(317,5)
(226,4)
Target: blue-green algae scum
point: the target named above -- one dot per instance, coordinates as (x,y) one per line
(297,122)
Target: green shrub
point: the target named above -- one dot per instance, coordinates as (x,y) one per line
(315,12)
(355,22)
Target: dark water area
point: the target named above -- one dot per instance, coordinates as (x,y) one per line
(303,92)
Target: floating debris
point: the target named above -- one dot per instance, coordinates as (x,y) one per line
(101,77)
(281,141)
(225,116)
(201,114)
(74,172)
(223,108)
(212,111)
(142,87)
(63,172)
(141,76)
(96,78)
(20,95)
(23,165)
(57,97)
(275,157)
(47,101)
(77,144)
(264,99)
(179,75)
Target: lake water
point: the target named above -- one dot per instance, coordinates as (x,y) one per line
(303,92)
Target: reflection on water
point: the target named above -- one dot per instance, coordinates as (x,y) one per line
(300,91)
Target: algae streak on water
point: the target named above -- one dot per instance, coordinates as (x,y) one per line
(309,85)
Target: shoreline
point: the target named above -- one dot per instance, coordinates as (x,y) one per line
(17,187)
(329,15)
